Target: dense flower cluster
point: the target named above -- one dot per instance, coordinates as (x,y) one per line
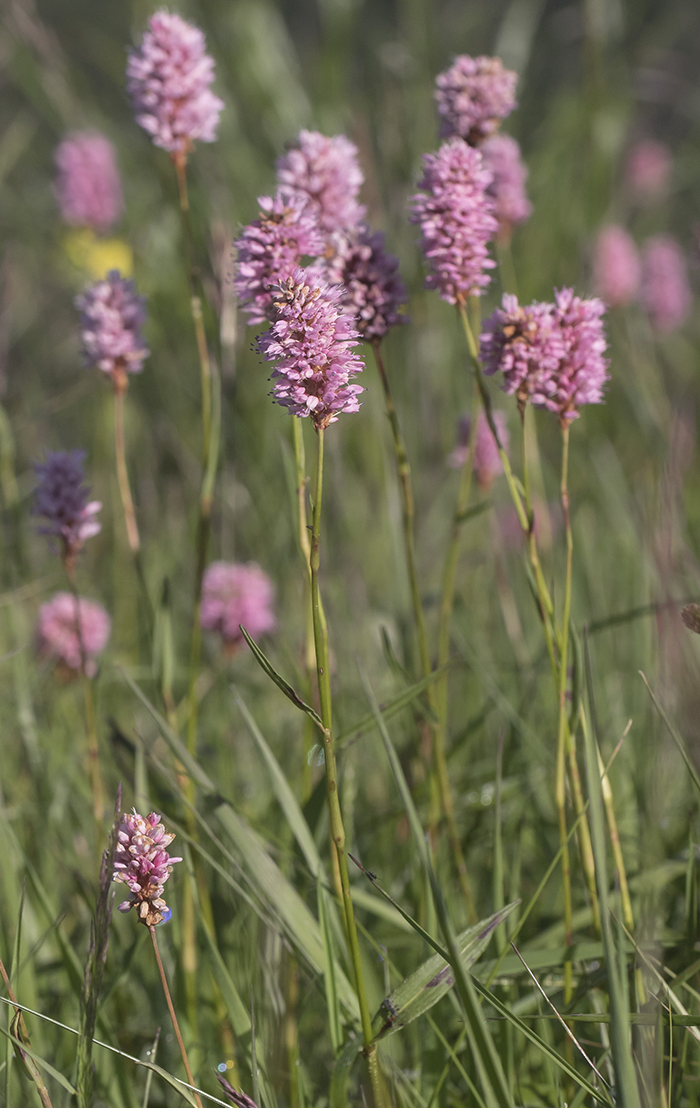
(312,340)
(142,862)
(616,268)
(550,354)
(456,217)
(326,172)
(64,501)
(473,96)
(235,595)
(374,292)
(168,79)
(665,290)
(72,631)
(487,460)
(502,157)
(270,248)
(87,187)
(648,170)
(111,316)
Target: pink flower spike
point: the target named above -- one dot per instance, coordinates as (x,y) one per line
(487,460)
(63,500)
(143,864)
(271,247)
(325,172)
(648,170)
(111,316)
(665,290)
(312,339)
(502,157)
(87,187)
(58,636)
(373,291)
(456,217)
(168,79)
(616,266)
(473,96)
(235,595)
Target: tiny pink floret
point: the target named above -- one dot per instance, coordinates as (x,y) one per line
(142,862)
(58,636)
(88,187)
(168,79)
(473,96)
(233,595)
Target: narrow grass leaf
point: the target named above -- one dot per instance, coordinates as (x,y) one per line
(279,680)
(329,964)
(338,1097)
(392,707)
(675,735)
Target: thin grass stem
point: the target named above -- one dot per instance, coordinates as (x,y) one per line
(173,1017)
(560,786)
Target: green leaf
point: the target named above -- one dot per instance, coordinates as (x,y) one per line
(393,706)
(675,735)
(329,975)
(341,1073)
(433,979)
(286,688)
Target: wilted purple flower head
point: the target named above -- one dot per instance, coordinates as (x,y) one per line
(374,292)
(456,217)
(311,339)
(487,460)
(616,267)
(87,187)
(62,498)
(665,290)
(550,354)
(327,173)
(168,79)
(501,155)
(142,862)
(111,316)
(271,247)
(648,170)
(234,595)
(473,96)
(71,632)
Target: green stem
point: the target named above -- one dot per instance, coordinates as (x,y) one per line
(173,1017)
(121,382)
(90,716)
(560,789)
(335,815)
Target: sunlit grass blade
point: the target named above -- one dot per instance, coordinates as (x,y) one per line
(329,963)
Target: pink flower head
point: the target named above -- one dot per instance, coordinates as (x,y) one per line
(111,315)
(168,79)
(326,172)
(142,862)
(312,340)
(487,460)
(616,268)
(648,170)
(473,96)
(270,248)
(665,291)
(550,354)
(235,595)
(62,498)
(373,291)
(501,155)
(87,187)
(70,640)
(456,217)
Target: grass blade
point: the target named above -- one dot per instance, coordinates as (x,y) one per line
(291,693)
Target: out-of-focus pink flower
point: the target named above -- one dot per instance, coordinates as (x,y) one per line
(62,498)
(616,266)
(142,862)
(67,635)
(168,79)
(111,316)
(87,186)
(456,218)
(502,156)
(487,460)
(648,170)
(236,595)
(326,172)
(312,339)
(373,291)
(473,96)
(665,290)
(550,354)
(270,248)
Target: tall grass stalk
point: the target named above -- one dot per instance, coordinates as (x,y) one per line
(173,1017)
(560,788)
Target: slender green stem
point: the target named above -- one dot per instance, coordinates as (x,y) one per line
(90,717)
(132,531)
(305,549)
(560,790)
(173,1017)
(335,815)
